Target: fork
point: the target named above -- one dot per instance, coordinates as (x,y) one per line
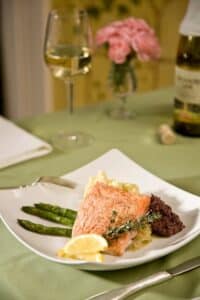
(48,179)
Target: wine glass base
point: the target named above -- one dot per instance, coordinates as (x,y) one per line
(65,141)
(121,114)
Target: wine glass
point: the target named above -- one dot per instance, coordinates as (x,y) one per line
(67,53)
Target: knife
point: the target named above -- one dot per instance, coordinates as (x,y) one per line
(127,290)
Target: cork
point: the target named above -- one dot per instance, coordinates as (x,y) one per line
(166,134)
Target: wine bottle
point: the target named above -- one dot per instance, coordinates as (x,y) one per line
(187,74)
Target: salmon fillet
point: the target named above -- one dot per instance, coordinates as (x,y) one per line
(107,206)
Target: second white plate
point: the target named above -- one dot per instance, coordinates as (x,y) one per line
(117,166)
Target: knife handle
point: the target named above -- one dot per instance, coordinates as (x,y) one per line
(123,292)
(146,282)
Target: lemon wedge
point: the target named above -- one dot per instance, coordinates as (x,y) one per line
(85,243)
(85,247)
(96,257)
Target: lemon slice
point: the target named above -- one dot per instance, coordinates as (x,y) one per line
(96,257)
(85,244)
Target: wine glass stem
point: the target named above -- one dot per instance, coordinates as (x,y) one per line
(70,94)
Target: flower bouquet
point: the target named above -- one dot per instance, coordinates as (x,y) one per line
(126,40)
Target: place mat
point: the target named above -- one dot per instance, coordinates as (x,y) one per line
(18,145)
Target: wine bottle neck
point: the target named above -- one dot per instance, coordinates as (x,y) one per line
(191,21)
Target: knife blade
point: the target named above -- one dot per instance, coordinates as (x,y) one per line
(127,290)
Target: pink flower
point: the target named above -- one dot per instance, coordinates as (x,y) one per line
(146,46)
(126,34)
(118,49)
(104,34)
(136,25)
(130,35)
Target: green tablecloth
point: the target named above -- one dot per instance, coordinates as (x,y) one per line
(24,275)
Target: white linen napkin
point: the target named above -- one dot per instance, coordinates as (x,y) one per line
(18,145)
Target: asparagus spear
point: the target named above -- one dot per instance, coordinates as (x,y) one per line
(47,215)
(114,232)
(42,229)
(64,212)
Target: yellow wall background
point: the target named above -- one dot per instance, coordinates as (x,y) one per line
(163,15)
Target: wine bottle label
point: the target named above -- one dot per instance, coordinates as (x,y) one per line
(187,85)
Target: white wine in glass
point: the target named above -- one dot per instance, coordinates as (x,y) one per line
(67,53)
(67,60)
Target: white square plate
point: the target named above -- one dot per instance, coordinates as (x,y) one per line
(119,167)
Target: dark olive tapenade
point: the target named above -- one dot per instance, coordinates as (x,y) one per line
(169,223)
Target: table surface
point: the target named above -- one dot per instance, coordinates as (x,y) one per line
(24,275)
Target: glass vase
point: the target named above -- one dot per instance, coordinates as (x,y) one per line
(122,81)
